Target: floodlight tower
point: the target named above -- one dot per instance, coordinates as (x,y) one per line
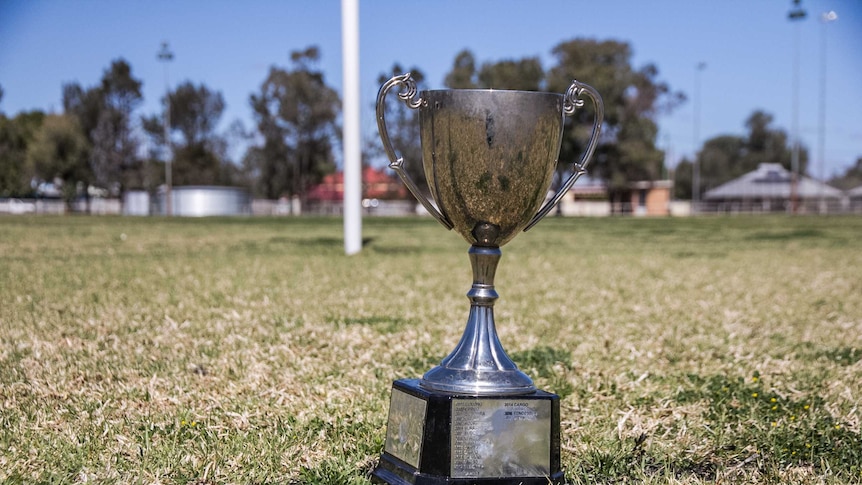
(695,167)
(825,19)
(165,55)
(796,14)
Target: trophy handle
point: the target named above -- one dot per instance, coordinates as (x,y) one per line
(407,94)
(570,105)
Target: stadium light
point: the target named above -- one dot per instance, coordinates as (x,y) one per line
(165,55)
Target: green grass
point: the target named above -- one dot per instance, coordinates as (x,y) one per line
(253,351)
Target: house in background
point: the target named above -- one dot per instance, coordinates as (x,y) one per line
(651,197)
(382,194)
(770,189)
(589,197)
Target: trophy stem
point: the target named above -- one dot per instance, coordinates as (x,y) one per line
(479,365)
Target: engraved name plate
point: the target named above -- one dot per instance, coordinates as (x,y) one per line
(406,427)
(501,438)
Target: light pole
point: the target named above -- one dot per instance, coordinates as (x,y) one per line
(165,55)
(695,167)
(825,18)
(796,14)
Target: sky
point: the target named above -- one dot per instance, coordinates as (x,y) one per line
(748,48)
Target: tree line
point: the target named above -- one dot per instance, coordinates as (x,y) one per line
(100,141)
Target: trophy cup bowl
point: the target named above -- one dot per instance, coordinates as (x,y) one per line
(489,158)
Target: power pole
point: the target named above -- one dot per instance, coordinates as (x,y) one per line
(695,167)
(165,55)
(825,19)
(797,13)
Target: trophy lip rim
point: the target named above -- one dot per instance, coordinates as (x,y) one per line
(491,90)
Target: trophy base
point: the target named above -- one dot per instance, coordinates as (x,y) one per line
(435,438)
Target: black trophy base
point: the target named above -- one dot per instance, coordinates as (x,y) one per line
(435,438)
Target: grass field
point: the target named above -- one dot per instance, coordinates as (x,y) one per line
(705,350)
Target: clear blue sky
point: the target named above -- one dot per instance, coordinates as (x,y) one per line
(229,46)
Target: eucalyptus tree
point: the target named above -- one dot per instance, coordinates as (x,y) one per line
(104,115)
(296,114)
(463,74)
(851,178)
(60,150)
(633,97)
(768,144)
(725,157)
(16,135)
(198,149)
(524,74)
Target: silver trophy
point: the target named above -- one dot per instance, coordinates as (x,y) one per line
(489,158)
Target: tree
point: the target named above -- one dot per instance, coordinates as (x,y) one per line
(296,115)
(114,145)
(59,150)
(104,114)
(722,159)
(766,144)
(851,178)
(195,112)
(84,104)
(463,74)
(726,157)
(632,99)
(524,75)
(199,155)
(16,134)
(682,177)
(402,124)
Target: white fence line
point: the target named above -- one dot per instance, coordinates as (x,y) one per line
(373,207)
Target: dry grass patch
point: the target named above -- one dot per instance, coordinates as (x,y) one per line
(254,351)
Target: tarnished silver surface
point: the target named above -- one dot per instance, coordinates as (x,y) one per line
(489,158)
(396,162)
(479,365)
(478,451)
(572,103)
(489,155)
(406,427)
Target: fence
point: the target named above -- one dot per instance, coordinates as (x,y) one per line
(373,207)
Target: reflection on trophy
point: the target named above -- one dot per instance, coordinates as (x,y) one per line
(489,158)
